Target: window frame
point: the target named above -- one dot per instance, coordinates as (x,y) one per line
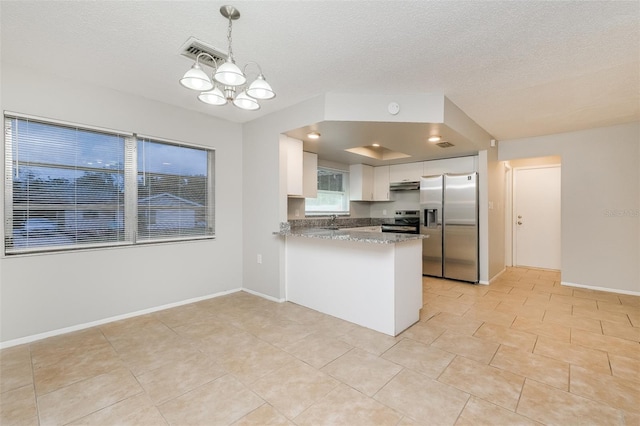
(210,208)
(130,198)
(345,194)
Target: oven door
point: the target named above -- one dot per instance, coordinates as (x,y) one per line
(400,229)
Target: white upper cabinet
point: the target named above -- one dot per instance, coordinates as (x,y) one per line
(301,168)
(368,183)
(405,172)
(360,182)
(293,161)
(309,175)
(451,165)
(381,183)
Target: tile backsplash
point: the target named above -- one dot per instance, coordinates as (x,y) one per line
(340,222)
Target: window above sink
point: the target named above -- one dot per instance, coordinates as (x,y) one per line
(333,193)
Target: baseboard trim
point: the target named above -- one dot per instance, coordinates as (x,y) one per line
(593,287)
(65,330)
(492,279)
(496,276)
(264,296)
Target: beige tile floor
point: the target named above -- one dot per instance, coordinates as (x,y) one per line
(523,350)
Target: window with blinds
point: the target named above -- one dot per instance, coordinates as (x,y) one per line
(333,193)
(69,187)
(173,191)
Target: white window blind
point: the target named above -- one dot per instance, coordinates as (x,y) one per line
(69,187)
(175,192)
(64,186)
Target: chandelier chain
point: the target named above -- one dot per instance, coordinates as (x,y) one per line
(229,39)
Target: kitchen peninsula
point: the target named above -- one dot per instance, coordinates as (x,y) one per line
(372,279)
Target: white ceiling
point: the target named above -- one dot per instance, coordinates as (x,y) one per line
(518,69)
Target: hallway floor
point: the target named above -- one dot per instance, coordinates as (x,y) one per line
(523,350)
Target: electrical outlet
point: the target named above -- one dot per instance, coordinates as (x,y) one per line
(259,258)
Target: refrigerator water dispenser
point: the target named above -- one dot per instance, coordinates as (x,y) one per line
(430,218)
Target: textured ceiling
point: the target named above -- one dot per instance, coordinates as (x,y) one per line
(517,68)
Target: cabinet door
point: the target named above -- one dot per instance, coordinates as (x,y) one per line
(381,183)
(293,164)
(360,182)
(310,175)
(405,172)
(450,165)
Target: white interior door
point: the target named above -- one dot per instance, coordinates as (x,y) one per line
(536,217)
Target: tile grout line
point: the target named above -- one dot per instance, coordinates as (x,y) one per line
(590,398)
(143,390)
(520,398)
(463,408)
(33,384)
(403,368)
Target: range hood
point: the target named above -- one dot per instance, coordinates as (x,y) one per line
(405,185)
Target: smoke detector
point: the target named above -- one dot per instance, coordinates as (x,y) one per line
(193,47)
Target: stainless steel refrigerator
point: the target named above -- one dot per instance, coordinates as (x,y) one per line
(449,219)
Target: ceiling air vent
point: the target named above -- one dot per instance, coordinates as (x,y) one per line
(193,47)
(445,144)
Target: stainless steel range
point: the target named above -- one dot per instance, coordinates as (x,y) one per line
(405,222)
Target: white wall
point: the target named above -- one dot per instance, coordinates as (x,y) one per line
(552,160)
(600,202)
(47,292)
(414,108)
(495,210)
(265,195)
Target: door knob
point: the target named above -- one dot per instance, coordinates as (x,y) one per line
(519,217)
(519,223)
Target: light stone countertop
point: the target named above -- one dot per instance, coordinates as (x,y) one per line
(352,235)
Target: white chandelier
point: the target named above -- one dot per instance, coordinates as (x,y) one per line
(227,78)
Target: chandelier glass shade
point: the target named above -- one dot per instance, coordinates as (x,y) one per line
(229,74)
(228,83)
(213,97)
(196,79)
